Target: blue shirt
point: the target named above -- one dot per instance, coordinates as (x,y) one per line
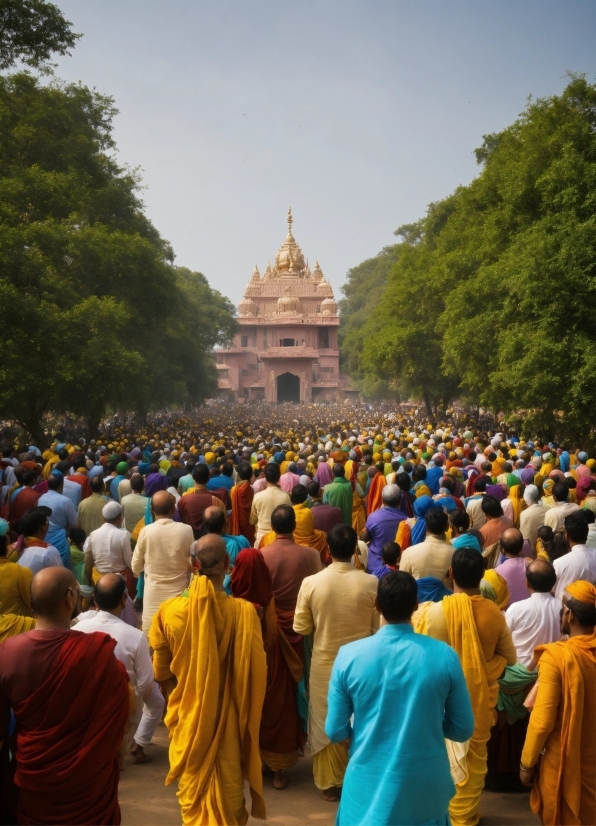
(407,693)
(382,527)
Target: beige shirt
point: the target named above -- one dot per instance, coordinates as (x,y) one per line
(555,516)
(429,558)
(89,516)
(530,520)
(476,514)
(263,506)
(163,553)
(337,605)
(110,548)
(134,506)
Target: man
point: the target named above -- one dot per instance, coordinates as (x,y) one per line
(122,474)
(132,650)
(37,553)
(580,562)
(23,498)
(62,518)
(476,629)
(215,523)
(474,503)
(533,516)
(381,526)
(185,482)
(265,502)
(555,516)
(513,568)
(337,605)
(209,655)
(433,556)
(435,474)
(559,755)
(108,550)
(339,493)
(89,516)
(536,620)
(162,552)
(496,522)
(192,506)
(289,479)
(15,584)
(241,497)
(325,516)
(67,738)
(401,779)
(134,504)
(70,489)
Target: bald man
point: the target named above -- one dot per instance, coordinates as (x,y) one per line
(209,658)
(214,520)
(536,620)
(163,553)
(70,697)
(513,567)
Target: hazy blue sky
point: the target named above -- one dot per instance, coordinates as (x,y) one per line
(357,114)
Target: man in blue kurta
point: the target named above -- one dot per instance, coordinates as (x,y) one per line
(408,694)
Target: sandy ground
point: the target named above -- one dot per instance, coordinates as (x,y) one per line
(145,801)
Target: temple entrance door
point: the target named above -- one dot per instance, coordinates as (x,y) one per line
(288,388)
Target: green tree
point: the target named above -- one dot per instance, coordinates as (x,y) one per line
(31,31)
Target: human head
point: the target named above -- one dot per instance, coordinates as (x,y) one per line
(338,471)
(209,553)
(227,469)
(397,597)
(55,597)
(298,495)
(541,576)
(512,542)
(576,528)
(272,473)
(403,481)
(97,484)
(390,553)
(531,495)
(56,482)
(491,507)
(460,521)
(34,522)
(244,471)
(137,483)
(467,568)
(313,489)
(112,512)
(579,608)
(162,504)
(342,542)
(214,519)
(437,521)
(480,484)
(283,520)
(560,492)
(122,469)
(391,495)
(77,536)
(110,593)
(200,473)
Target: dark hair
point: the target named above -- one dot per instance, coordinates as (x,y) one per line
(543,578)
(403,481)
(137,483)
(589,515)
(77,535)
(3,546)
(283,519)
(342,540)
(486,467)
(448,483)
(298,495)
(216,522)
(584,613)
(459,519)
(513,544)
(33,520)
(313,488)
(480,484)
(29,476)
(153,468)
(468,567)
(97,484)
(200,473)
(272,473)
(491,506)
(55,482)
(227,469)
(108,598)
(338,470)
(397,596)
(554,544)
(390,553)
(437,520)
(419,473)
(570,482)
(576,526)
(472,455)
(244,471)
(561,492)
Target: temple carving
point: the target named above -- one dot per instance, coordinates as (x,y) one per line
(286,348)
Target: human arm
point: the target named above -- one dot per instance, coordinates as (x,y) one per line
(339,705)
(126,548)
(405,562)
(544,714)
(24,581)
(71,515)
(365,535)
(505,646)
(143,667)
(254,514)
(162,653)
(304,623)
(137,563)
(458,720)
(52,558)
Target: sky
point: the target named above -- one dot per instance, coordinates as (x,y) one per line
(357,114)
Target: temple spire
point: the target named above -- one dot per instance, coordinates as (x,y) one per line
(290,220)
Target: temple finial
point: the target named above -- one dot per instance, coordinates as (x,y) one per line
(290,220)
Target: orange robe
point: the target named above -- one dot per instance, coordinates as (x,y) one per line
(374,498)
(242,495)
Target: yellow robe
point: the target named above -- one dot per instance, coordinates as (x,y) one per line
(305,533)
(212,646)
(13,624)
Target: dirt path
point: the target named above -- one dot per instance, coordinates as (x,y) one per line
(145,801)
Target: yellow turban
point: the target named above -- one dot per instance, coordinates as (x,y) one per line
(377,457)
(591,463)
(210,458)
(583,591)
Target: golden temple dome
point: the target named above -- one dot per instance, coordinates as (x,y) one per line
(288,303)
(328,307)
(289,259)
(248,307)
(317,273)
(324,288)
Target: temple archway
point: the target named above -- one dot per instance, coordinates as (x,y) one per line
(288,388)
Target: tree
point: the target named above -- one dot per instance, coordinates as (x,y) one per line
(32,31)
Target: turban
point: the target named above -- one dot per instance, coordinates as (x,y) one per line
(582,456)
(111,511)
(582,591)
(122,468)
(210,458)
(531,495)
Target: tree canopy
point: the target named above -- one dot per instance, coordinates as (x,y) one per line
(31,31)
(491,295)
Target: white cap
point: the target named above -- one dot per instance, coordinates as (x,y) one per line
(111,511)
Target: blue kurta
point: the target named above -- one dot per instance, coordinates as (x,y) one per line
(407,693)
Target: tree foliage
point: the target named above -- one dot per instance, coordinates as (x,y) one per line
(31,31)
(95,315)
(492,294)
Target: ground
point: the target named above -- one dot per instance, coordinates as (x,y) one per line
(145,801)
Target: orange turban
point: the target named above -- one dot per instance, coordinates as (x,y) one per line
(583,591)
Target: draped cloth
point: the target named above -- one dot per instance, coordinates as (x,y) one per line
(562,723)
(212,645)
(280,735)
(374,499)
(305,533)
(69,731)
(13,624)
(241,497)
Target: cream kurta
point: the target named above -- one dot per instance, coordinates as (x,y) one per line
(163,553)
(336,604)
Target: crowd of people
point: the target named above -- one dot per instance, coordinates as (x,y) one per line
(413,601)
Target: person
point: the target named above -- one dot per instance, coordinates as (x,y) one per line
(214,520)
(474,503)
(162,553)
(381,526)
(339,493)
(337,606)
(241,497)
(107,549)
(15,581)
(432,557)
(122,474)
(558,756)
(280,735)
(325,516)
(536,620)
(435,474)
(496,522)
(24,498)
(390,554)
(37,553)
(405,778)
(63,515)
(304,533)
(89,516)
(476,629)
(67,741)
(532,518)
(265,501)
(209,658)
(193,504)
(134,504)
(374,489)
(76,540)
(580,562)
(132,650)
(555,516)
(513,568)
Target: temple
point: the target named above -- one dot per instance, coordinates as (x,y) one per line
(286,348)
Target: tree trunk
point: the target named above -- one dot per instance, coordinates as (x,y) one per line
(34,428)
(93,425)
(427,404)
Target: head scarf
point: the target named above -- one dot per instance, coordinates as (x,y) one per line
(527,474)
(431,589)
(324,474)
(499,586)
(517,502)
(467,540)
(155,482)
(497,491)
(422,505)
(251,579)
(584,485)
(582,590)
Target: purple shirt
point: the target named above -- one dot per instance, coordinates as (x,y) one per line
(382,527)
(326,516)
(513,571)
